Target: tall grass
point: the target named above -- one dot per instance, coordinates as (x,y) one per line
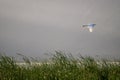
(59,67)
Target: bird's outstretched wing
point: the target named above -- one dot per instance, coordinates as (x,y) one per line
(84,25)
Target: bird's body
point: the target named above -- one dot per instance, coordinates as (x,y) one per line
(89,26)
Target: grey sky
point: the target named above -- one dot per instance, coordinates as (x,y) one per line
(35,27)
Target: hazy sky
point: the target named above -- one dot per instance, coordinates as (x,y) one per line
(35,27)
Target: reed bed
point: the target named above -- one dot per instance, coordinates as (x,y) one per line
(59,67)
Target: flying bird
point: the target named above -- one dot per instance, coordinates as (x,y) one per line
(89,26)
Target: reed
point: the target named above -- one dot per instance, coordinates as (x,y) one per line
(59,67)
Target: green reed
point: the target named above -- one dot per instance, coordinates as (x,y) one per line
(59,67)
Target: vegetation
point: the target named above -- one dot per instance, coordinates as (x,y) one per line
(59,67)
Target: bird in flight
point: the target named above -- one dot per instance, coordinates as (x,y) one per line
(89,26)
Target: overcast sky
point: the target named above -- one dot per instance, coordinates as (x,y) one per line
(35,27)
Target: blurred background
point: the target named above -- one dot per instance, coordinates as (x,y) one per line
(36,27)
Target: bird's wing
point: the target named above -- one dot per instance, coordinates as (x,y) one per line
(84,25)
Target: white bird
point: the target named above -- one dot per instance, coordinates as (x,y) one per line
(89,26)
